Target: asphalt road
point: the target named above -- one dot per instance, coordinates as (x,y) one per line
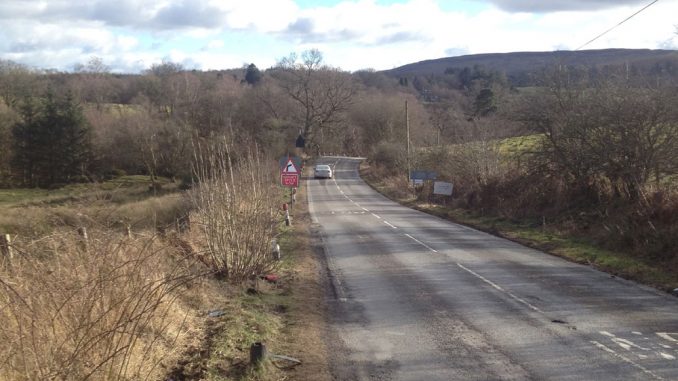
(418,298)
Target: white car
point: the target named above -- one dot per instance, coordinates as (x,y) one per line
(322,171)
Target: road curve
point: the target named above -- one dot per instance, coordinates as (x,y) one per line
(419,298)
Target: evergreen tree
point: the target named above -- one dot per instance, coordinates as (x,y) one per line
(252,74)
(52,142)
(485,103)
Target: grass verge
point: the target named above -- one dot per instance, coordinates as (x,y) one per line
(288,316)
(535,234)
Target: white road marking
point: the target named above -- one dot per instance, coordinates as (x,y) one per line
(626,344)
(376,216)
(603,347)
(642,368)
(365,209)
(636,333)
(514,297)
(665,346)
(481,278)
(667,356)
(389,224)
(667,336)
(421,243)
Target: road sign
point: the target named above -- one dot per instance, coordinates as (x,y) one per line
(289,180)
(423,175)
(443,188)
(301,142)
(285,160)
(290,168)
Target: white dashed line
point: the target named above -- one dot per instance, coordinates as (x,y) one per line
(421,243)
(389,224)
(521,300)
(376,216)
(365,209)
(667,336)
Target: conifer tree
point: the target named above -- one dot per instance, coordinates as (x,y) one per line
(52,141)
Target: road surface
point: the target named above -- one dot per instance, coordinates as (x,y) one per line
(419,298)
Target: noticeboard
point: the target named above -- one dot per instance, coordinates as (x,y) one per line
(442,188)
(423,175)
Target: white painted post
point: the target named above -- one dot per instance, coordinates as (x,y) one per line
(6,246)
(275,249)
(82,231)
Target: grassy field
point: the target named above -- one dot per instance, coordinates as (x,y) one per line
(119,202)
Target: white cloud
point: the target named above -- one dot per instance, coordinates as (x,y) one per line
(562,5)
(215,44)
(352,34)
(261,15)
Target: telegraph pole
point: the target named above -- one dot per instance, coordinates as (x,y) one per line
(407,125)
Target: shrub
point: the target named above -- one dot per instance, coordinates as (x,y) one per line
(236,205)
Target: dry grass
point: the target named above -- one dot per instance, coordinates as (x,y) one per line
(108,309)
(42,218)
(119,308)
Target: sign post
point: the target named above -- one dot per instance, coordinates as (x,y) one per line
(289,174)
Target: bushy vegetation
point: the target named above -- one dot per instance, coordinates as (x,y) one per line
(595,156)
(583,154)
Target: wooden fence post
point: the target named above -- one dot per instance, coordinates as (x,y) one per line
(6,246)
(82,231)
(183,223)
(257,353)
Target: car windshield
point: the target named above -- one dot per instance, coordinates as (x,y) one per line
(322,167)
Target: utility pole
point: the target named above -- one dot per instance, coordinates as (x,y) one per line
(407,125)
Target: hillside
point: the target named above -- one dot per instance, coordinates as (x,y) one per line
(519,66)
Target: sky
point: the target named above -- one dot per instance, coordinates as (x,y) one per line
(131,35)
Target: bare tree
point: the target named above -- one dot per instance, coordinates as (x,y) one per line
(93,83)
(322,92)
(16,82)
(608,134)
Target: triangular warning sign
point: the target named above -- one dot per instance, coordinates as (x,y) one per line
(290,167)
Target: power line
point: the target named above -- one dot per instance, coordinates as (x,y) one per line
(623,21)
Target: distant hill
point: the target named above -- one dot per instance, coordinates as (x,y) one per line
(519,66)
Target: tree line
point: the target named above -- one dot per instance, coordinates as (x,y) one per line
(92,124)
(584,141)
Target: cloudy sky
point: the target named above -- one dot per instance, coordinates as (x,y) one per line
(131,35)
